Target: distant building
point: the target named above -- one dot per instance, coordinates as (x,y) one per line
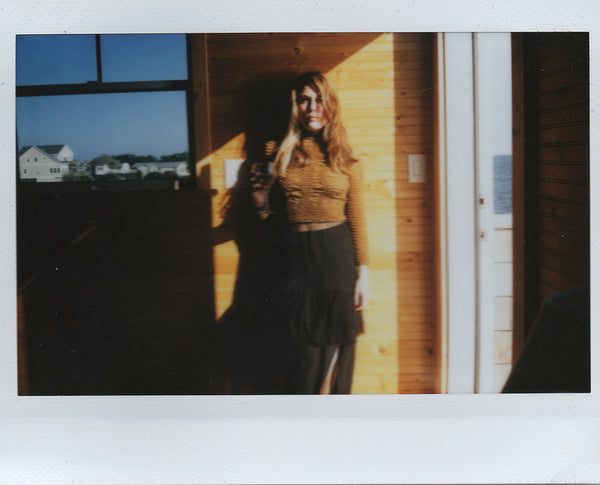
(80,171)
(106,165)
(44,163)
(179,168)
(61,152)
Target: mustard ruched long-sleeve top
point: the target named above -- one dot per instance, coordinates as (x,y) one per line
(314,192)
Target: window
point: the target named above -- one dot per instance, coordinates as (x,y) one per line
(111,108)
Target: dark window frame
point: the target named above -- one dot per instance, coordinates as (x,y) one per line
(100,87)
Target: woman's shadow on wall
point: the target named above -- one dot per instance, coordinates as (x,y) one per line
(250,332)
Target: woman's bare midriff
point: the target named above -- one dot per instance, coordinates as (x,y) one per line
(314,226)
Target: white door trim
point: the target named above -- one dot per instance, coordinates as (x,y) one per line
(467,66)
(484,65)
(457,221)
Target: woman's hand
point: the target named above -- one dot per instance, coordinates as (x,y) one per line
(260,197)
(361,288)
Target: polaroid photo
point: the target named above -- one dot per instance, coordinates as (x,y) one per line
(326,243)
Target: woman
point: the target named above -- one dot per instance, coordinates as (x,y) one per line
(325,275)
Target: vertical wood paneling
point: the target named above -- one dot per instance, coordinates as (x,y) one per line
(384,83)
(518,190)
(556,166)
(415,138)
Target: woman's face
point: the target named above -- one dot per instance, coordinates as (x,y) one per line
(310,110)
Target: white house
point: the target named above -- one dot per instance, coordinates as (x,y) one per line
(44,163)
(61,152)
(180,168)
(106,165)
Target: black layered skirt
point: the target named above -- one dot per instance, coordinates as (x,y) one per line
(318,286)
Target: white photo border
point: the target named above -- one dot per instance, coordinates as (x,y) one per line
(289,439)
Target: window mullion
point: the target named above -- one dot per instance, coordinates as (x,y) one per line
(98,58)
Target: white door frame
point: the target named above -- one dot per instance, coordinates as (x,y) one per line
(466,222)
(457,211)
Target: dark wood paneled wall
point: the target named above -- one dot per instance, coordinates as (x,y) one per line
(552,157)
(115,294)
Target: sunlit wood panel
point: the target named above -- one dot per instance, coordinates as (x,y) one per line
(385,88)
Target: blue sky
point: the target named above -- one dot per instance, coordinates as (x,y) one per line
(92,125)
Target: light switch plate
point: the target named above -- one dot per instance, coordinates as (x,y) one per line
(416,168)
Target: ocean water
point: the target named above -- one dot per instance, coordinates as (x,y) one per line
(502,184)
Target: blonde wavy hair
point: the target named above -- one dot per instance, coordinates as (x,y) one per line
(335,139)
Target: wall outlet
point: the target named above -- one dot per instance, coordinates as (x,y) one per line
(416,168)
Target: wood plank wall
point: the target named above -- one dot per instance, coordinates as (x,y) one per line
(557,192)
(418,344)
(385,85)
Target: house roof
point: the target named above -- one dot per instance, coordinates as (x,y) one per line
(25,148)
(41,149)
(47,149)
(51,149)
